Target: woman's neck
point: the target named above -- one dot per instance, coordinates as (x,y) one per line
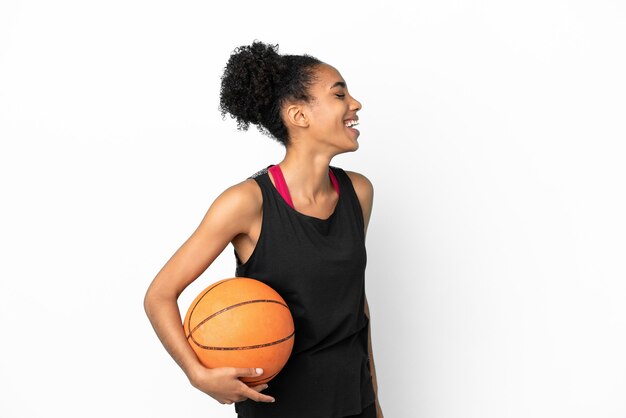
(306,175)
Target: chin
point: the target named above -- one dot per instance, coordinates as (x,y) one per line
(354,148)
(356,143)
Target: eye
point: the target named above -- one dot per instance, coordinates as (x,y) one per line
(340,95)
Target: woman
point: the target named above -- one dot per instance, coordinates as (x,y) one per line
(300,227)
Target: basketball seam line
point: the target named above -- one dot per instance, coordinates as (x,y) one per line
(249,347)
(228,308)
(202,297)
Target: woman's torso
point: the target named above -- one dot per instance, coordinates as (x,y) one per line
(316,261)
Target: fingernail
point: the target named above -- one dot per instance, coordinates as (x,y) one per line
(259,371)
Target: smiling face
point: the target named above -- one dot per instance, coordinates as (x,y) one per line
(332,111)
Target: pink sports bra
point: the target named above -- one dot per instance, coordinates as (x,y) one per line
(281,185)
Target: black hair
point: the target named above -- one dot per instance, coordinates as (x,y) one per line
(257,81)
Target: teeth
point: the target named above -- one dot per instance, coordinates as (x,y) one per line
(351,123)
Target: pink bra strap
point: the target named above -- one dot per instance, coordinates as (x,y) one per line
(333,180)
(281,185)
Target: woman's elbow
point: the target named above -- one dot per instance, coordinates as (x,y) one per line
(154,297)
(149,301)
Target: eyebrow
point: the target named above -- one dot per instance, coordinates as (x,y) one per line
(338,84)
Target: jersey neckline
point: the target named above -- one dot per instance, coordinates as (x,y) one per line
(284,202)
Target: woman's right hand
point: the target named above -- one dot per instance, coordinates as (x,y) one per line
(223,384)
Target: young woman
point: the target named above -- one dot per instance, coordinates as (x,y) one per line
(300,227)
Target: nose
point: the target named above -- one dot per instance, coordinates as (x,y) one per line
(356,105)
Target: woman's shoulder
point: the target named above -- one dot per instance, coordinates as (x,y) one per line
(365,193)
(362,185)
(243,200)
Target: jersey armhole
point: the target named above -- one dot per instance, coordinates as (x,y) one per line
(238,263)
(355,198)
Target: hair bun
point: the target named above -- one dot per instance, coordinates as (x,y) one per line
(258,81)
(249,83)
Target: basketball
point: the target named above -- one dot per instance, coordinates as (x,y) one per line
(241,322)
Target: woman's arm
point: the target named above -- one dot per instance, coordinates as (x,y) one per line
(231,214)
(365,192)
(379,412)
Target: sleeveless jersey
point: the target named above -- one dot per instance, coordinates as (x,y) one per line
(318,267)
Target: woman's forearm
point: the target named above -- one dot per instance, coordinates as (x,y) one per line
(379,412)
(369,349)
(166,320)
(371,356)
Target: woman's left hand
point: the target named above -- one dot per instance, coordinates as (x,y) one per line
(379,411)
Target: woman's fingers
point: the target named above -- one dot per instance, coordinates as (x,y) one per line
(256,396)
(260,387)
(252,393)
(247,371)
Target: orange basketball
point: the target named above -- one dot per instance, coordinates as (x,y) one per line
(241,322)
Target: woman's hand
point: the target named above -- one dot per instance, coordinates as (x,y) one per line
(223,384)
(379,411)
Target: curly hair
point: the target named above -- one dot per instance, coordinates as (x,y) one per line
(257,81)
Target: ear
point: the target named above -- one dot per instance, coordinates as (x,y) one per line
(295,115)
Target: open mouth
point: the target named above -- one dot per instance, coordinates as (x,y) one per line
(351,122)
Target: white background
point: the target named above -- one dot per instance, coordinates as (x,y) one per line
(493,132)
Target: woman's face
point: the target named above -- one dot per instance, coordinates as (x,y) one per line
(331,109)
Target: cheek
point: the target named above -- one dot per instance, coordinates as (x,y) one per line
(324,121)
(332,116)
